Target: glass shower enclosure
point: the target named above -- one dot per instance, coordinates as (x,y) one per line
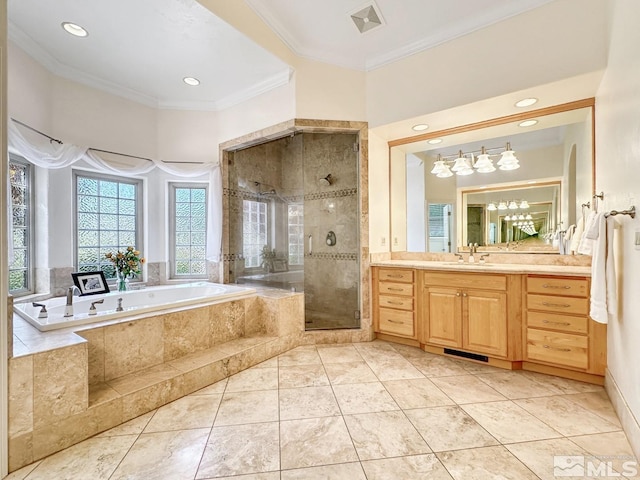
(293,222)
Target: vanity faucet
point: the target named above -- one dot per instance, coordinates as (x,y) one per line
(71,292)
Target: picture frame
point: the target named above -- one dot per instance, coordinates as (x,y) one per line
(90,283)
(279,265)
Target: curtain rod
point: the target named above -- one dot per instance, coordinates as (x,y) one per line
(51,139)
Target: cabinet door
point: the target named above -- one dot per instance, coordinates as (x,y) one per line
(485,322)
(443,312)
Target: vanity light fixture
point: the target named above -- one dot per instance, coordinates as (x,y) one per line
(191,81)
(466,164)
(420,127)
(441,169)
(434,141)
(524,204)
(508,160)
(528,123)
(526,102)
(507,218)
(502,205)
(512,205)
(74,29)
(528,217)
(492,206)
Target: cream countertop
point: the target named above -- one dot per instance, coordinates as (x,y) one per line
(488,267)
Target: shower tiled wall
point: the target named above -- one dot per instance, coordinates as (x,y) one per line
(331,272)
(293,167)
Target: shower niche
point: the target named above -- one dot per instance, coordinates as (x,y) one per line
(294,220)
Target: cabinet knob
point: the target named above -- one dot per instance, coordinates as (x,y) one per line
(464,294)
(457,294)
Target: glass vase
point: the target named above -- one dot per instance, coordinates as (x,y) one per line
(122,281)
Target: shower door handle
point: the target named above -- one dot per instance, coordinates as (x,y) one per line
(310,244)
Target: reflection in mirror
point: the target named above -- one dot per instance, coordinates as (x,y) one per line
(518,217)
(437,211)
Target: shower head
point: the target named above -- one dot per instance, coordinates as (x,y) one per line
(326,181)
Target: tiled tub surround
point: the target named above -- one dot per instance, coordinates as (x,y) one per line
(68,385)
(133,302)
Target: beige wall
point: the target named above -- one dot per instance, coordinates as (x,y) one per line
(561,39)
(618,163)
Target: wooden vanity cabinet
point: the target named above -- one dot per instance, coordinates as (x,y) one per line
(558,331)
(474,312)
(394,301)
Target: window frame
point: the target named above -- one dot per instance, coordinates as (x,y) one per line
(139,222)
(289,244)
(30,225)
(268,216)
(173,186)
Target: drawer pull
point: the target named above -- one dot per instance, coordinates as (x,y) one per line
(400,303)
(396,321)
(563,324)
(395,275)
(556,348)
(559,305)
(566,287)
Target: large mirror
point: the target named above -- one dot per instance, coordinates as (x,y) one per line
(448,189)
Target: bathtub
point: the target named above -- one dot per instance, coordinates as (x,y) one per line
(134,302)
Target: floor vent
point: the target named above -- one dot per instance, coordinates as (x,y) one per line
(472,356)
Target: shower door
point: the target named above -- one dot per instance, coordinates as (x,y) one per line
(331,226)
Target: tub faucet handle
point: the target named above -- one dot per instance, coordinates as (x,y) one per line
(43,311)
(119,307)
(92,309)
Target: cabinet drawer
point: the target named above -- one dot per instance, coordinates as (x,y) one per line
(401,303)
(555,321)
(395,275)
(396,322)
(560,348)
(572,287)
(396,288)
(548,303)
(466,280)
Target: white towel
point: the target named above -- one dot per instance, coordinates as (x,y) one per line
(585,247)
(577,236)
(604,301)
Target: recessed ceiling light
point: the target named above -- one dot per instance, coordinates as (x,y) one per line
(434,141)
(191,81)
(420,127)
(528,123)
(526,102)
(73,29)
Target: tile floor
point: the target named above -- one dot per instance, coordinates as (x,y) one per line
(364,411)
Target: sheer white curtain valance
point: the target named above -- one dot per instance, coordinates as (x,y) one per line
(47,154)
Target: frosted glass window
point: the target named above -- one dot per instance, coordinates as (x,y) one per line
(20,266)
(107,219)
(254,232)
(189,230)
(295,228)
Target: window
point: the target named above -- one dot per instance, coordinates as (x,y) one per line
(21,266)
(254,232)
(295,225)
(189,230)
(107,220)
(439,227)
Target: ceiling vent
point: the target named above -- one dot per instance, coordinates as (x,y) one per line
(367,18)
